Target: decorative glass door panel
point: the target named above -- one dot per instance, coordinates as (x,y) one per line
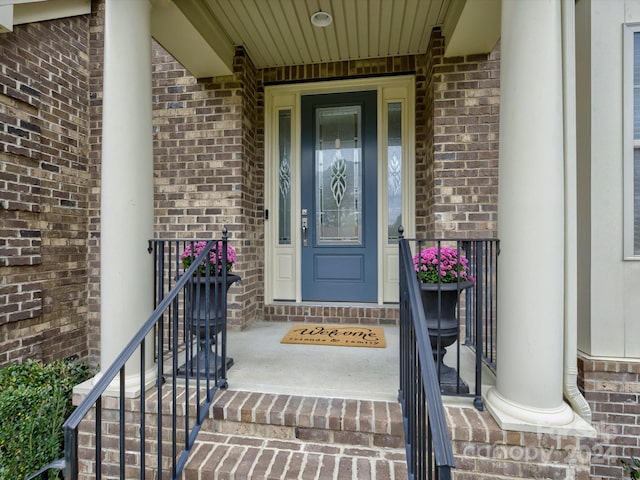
(339,197)
(338,175)
(394,170)
(284,177)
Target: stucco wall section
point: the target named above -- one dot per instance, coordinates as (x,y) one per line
(610,327)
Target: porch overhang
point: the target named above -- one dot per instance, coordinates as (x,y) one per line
(202,34)
(191,34)
(471,26)
(203,37)
(18,12)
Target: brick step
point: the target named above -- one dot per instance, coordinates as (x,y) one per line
(269,436)
(317,419)
(221,456)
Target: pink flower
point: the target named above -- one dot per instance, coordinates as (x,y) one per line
(194,249)
(442,264)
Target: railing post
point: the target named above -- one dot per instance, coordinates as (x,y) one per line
(70,453)
(159,280)
(480,272)
(401,289)
(223,296)
(467,247)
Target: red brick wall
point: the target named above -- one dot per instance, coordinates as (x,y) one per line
(44,185)
(251,201)
(457,122)
(424,137)
(466,97)
(483,451)
(612,389)
(206,171)
(96,57)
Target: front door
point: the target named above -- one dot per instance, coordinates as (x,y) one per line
(339,197)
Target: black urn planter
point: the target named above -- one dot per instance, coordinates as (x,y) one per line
(198,313)
(446,328)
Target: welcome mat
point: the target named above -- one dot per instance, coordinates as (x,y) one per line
(336,335)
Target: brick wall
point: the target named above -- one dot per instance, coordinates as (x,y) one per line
(96,58)
(44,183)
(466,97)
(251,201)
(425,181)
(110,415)
(484,451)
(206,172)
(334,314)
(612,389)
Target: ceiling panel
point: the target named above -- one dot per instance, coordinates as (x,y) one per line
(279,32)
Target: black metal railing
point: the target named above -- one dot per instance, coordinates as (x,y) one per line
(428,445)
(52,469)
(168,269)
(462,312)
(481,318)
(153,433)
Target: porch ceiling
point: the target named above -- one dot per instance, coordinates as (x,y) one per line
(279,32)
(202,34)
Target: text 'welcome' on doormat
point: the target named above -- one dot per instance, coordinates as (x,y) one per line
(336,335)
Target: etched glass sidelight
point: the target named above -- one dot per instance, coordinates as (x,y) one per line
(338,169)
(284,177)
(394,170)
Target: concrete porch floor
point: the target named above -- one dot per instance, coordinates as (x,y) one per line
(263,364)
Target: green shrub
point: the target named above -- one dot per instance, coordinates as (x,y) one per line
(35,400)
(633,467)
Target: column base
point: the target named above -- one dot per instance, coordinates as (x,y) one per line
(132,386)
(512,416)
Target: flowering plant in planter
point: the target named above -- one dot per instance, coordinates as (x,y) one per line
(449,267)
(192,250)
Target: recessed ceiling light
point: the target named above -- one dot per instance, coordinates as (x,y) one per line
(321,19)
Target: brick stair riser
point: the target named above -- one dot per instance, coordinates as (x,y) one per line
(352,420)
(220,456)
(262,436)
(317,435)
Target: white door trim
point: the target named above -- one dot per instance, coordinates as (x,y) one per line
(282,273)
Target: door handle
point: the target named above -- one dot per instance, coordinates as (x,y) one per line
(305,227)
(304,232)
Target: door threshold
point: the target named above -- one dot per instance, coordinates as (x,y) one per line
(332,312)
(312,303)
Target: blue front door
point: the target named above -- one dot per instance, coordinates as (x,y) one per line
(339,197)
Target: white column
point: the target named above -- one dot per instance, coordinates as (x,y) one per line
(126,268)
(528,392)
